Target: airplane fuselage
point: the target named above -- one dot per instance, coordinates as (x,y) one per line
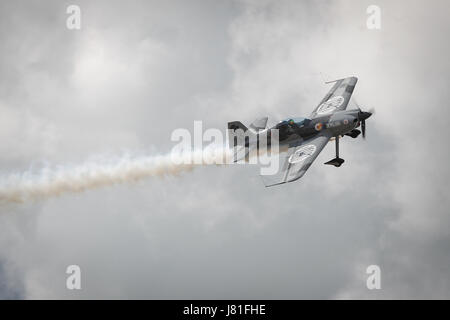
(337,124)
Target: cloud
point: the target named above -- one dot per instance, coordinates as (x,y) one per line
(134,73)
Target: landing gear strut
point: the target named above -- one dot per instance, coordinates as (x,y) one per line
(337,162)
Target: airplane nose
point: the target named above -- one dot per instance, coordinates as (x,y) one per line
(364,115)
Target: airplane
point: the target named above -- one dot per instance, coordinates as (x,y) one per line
(304,138)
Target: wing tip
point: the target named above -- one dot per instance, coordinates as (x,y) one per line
(274,184)
(351,79)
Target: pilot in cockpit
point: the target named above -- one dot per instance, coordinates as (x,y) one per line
(290,126)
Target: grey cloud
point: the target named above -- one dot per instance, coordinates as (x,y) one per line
(136,72)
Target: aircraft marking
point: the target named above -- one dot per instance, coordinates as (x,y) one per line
(330,105)
(302,153)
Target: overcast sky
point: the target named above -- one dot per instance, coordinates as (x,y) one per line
(137,70)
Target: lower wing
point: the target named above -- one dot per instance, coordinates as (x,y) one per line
(294,162)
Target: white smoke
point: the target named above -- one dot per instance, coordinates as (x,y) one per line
(51,182)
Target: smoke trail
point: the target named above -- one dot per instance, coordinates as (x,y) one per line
(50,182)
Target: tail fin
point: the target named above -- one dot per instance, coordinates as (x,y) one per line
(235,125)
(239,139)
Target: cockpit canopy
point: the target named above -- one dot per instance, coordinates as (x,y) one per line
(299,122)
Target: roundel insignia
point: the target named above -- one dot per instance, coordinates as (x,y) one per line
(330,105)
(345,121)
(302,153)
(318,126)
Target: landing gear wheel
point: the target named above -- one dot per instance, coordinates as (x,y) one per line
(337,162)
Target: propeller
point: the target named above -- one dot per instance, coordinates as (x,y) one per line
(363,128)
(362,116)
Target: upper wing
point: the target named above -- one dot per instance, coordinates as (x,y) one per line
(293,164)
(337,98)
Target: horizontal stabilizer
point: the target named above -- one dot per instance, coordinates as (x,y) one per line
(235,125)
(259,124)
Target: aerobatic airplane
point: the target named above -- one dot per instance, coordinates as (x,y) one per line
(304,138)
